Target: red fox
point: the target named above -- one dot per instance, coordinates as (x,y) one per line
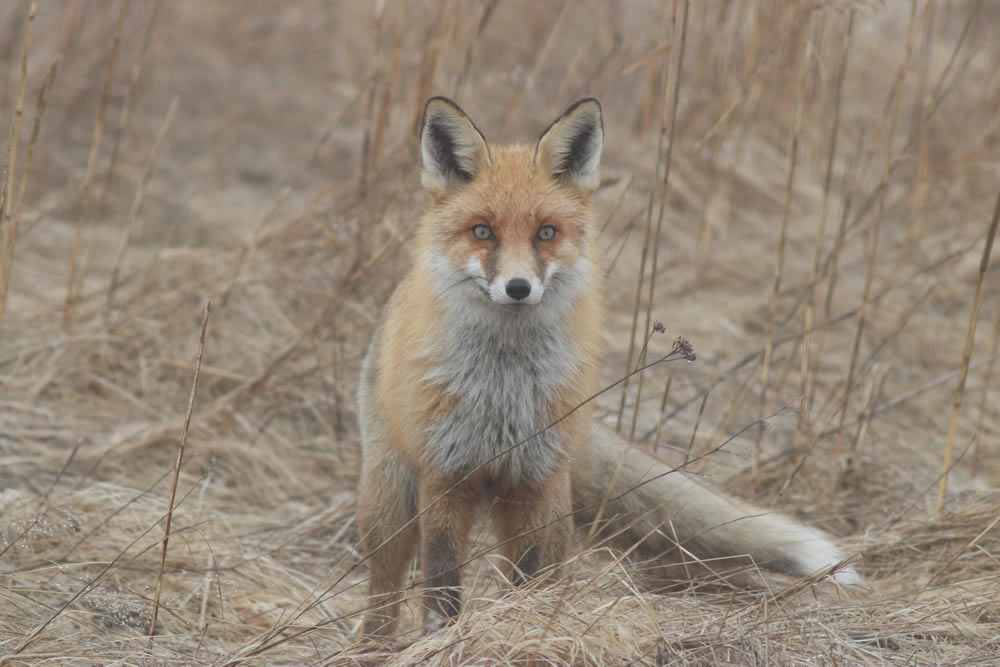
(493,336)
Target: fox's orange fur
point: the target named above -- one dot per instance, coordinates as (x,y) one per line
(493,336)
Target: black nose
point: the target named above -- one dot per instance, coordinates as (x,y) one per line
(518,288)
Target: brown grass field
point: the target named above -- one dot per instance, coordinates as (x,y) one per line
(804,190)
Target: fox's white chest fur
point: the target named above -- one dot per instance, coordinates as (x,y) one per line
(504,368)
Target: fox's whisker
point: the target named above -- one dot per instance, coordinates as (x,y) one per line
(457,283)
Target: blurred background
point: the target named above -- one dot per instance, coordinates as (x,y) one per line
(803,190)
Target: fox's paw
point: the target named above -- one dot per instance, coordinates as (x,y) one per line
(434,621)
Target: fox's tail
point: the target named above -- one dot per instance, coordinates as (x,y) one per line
(684,528)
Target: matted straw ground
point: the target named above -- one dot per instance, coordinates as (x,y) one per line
(262,155)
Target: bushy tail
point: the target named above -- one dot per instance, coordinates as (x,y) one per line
(684,528)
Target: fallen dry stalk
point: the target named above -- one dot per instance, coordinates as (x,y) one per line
(958,553)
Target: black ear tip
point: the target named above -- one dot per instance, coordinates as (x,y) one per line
(439,101)
(585,102)
(437,105)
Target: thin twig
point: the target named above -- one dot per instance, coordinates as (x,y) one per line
(974,462)
(821,231)
(779,265)
(663,206)
(681,350)
(641,273)
(177,468)
(75,266)
(125,115)
(883,188)
(7,206)
(133,213)
(970,338)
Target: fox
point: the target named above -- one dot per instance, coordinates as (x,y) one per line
(475,387)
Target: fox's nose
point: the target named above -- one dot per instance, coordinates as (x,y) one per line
(518,288)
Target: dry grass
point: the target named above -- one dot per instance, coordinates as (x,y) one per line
(282,186)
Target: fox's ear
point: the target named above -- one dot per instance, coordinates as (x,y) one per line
(571,148)
(452,150)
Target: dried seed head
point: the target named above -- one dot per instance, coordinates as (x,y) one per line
(684,349)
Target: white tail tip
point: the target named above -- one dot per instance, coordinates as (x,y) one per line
(821,554)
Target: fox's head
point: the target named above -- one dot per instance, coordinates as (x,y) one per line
(510,225)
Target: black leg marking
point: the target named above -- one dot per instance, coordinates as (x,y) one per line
(527,565)
(444,597)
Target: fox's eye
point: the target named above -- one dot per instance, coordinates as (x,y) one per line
(546,233)
(482,232)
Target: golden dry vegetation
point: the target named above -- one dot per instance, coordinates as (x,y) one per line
(780,178)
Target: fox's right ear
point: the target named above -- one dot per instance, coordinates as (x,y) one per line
(452,150)
(571,148)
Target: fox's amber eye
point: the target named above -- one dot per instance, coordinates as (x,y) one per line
(546,233)
(482,232)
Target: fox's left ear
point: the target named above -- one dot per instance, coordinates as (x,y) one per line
(571,148)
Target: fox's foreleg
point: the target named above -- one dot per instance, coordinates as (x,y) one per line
(446,514)
(535,525)
(387,499)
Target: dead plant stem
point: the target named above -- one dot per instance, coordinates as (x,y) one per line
(970,338)
(177,469)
